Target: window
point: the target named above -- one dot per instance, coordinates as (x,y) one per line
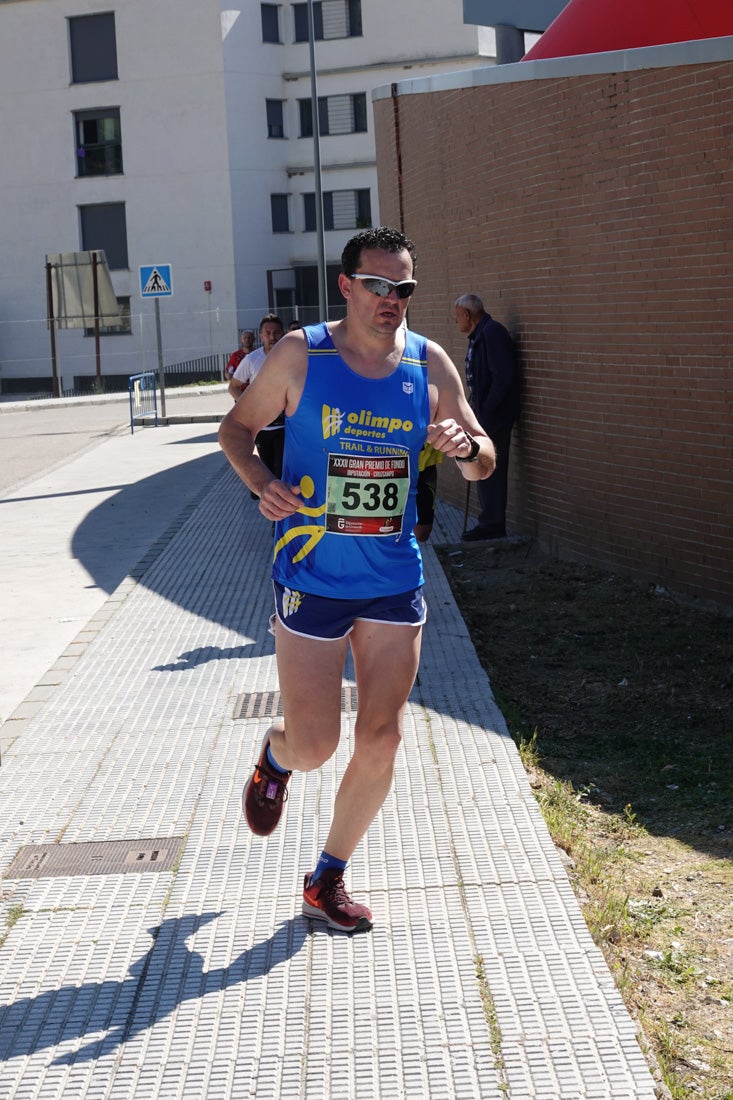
(300,11)
(98,142)
(331,19)
(337,114)
(93,48)
(103,225)
(305,107)
(125,326)
(341,210)
(275,123)
(270,22)
(280,215)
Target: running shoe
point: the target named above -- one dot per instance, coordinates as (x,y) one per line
(326,899)
(264,795)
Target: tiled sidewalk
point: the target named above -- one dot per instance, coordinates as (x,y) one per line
(479,980)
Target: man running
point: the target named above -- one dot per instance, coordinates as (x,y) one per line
(360,397)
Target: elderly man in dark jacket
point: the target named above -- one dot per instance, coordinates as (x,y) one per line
(493,381)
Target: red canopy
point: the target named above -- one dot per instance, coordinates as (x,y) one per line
(594,26)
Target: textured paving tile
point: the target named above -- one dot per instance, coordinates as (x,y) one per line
(206,981)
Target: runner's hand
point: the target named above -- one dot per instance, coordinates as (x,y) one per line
(278,500)
(449,437)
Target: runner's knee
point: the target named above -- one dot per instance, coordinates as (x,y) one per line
(380,742)
(310,745)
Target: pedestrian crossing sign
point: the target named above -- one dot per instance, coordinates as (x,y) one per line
(156,281)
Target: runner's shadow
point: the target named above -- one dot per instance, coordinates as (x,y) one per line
(192,658)
(168,975)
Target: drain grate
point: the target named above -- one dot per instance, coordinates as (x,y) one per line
(268,704)
(258,704)
(103,857)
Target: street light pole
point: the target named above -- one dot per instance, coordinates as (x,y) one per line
(322,292)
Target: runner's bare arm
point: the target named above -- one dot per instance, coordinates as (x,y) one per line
(277,386)
(453,418)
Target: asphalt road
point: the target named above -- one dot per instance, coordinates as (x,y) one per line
(36,441)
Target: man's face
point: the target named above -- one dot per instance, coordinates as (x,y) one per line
(247,340)
(464,320)
(383,315)
(270,333)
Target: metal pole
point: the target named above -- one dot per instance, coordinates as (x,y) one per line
(161,372)
(465,510)
(52,330)
(97,349)
(322,292)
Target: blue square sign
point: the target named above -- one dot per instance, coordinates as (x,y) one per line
(156,281)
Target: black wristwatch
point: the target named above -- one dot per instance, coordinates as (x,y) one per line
(475,448)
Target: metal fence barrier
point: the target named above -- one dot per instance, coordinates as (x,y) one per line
(143,398)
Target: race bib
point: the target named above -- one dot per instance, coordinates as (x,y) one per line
(367,495)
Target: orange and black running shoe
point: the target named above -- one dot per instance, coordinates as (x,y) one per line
(326,899)
(264,795)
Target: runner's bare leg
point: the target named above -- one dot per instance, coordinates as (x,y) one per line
(310,673)
(386,659)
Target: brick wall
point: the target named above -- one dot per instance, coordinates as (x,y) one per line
(594,215)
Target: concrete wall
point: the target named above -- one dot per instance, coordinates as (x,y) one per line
(592,212)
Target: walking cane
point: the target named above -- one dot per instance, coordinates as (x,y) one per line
(465,510)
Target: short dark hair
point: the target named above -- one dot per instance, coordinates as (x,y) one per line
(384,237)
(271,317)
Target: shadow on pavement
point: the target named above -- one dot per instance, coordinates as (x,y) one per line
(117,1007)
(195,657)
(114,537)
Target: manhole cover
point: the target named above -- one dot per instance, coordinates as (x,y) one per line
(268,704)
(103,857)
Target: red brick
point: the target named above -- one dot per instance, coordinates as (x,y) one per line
(592,214)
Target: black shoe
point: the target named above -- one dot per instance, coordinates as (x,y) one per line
(477,534)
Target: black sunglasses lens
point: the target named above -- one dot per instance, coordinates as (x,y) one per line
(404,290)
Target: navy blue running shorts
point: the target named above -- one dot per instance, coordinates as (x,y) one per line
(327,619)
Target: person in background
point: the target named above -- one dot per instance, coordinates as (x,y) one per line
(361,398)
(271,439)
(492,377)
(294,326)
(246,345)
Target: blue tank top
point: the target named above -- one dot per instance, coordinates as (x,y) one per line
(352,446)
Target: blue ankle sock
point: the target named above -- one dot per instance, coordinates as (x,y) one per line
(274,764)
(328,863)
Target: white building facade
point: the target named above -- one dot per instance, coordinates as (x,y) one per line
(180,132)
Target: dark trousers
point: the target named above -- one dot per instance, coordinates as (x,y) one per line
(270,447)
(492,491)
(427,486)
